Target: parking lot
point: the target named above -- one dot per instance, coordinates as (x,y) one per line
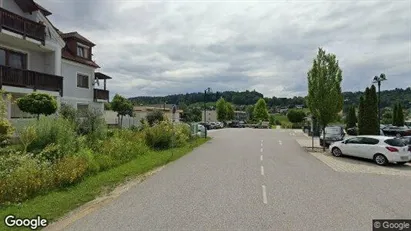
(349,164)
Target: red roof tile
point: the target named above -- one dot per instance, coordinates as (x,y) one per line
(77,36)
(67,55)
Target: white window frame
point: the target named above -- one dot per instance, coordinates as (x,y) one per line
(85,49)
(88,76)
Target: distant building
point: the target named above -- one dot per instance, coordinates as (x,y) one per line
(240,115)
(211,116)
(301,106)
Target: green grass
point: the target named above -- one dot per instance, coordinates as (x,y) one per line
(281,118)
(55,204)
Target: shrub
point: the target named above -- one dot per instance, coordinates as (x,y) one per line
(68,112)
(285,124)
(6,131)
(38,103)
(25,177)
(92,124)
(69,170)
(57,131)
(92,163)
(155,117)
(159,136)
(27,135)
(123,146)
(296,116)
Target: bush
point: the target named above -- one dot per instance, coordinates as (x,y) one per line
(57,131)
(37,103)
(27,135)
(155,117)
(285,124)
(6,131)
(296,116)
(68,112)
(25,176)
(69,170)
(92,124)
(122,147)
(159,136)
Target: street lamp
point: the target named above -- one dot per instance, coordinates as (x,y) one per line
(208,90)
(378,80)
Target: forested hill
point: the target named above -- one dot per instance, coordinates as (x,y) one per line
(250,97)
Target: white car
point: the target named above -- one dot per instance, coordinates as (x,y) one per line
(381,149)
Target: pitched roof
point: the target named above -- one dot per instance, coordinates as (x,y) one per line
(74,34)
(42,9)
(66,54)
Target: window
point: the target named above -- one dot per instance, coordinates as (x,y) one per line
(13,59)
(82,51)
(370,141)
(356,140)
(82,81)
(395,142)
(2,57)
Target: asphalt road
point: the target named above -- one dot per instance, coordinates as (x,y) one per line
(251,179)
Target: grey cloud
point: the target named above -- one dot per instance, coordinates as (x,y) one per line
(158,48)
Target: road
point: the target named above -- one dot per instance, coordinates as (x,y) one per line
(252,179)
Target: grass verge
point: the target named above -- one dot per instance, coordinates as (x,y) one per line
(57,203)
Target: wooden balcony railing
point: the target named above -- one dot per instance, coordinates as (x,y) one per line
(101,94)
(22,26)
(30,79)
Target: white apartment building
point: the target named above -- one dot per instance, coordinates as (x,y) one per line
(36,56)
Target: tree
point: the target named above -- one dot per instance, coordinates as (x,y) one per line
(325,99)
(395,115)
(260,110)
(361,112)
(373,111)
(271,120)
(155,117)
(230,111)
(296,116)
(122,106)
(400,116)
(222,112)
(38,104)
(191,114)
(351,119)
(250,111)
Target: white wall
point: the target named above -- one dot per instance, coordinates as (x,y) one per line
(69,72)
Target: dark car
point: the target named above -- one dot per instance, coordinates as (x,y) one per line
(352,131)
(396,131)
(332,134)
(206,125)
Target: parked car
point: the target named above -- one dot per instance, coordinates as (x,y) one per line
(206,125)
(332,134)
(396,131)
(407,141)
(352,131)
(381,149)
(219,125)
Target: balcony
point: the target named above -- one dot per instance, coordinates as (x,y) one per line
(100,94)
(23,26)
(30,79)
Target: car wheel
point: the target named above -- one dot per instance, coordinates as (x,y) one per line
(380,159)
(336,152)
(401,163)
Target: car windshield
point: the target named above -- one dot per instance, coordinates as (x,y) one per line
(332,131)
(395,142)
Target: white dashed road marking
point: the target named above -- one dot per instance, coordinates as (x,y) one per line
(264,195)
(261,158)
(261,150)
(262,171)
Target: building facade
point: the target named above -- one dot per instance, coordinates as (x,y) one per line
(210,116)
(36,56)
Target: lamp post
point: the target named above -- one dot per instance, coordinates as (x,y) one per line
(378,80)
(208,90)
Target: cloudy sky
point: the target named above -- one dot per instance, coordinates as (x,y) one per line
(170,47)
